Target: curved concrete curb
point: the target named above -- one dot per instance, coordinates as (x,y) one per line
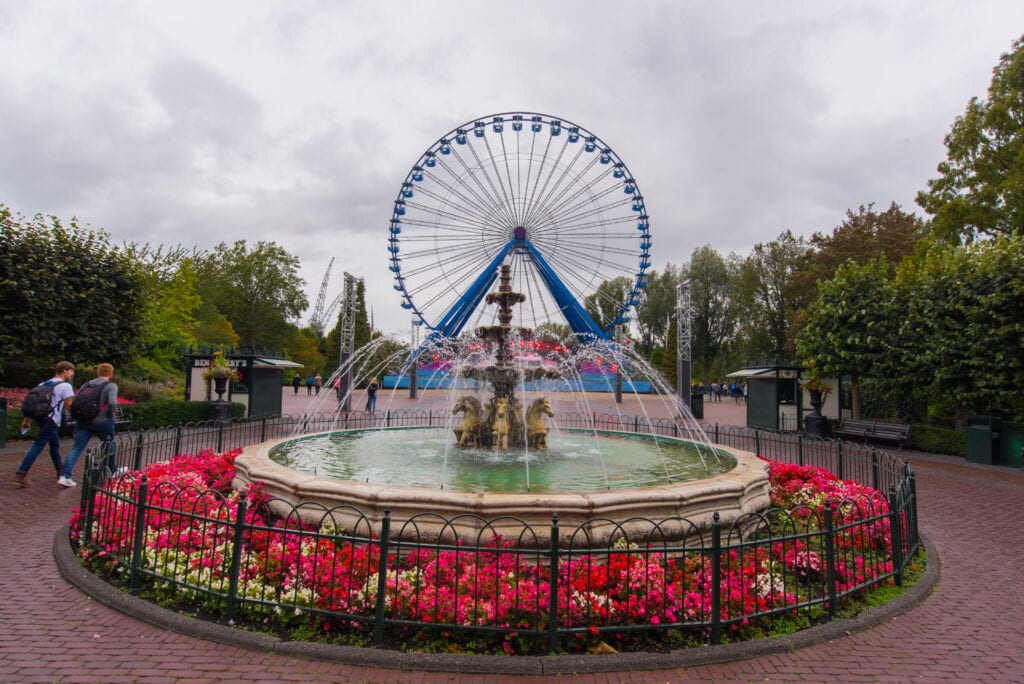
(110,596)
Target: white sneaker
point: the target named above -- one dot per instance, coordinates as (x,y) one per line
(66,482)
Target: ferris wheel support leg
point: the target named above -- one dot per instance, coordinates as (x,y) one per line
(577,317)
(455,318)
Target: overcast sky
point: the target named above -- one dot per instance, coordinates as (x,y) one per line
(198,122)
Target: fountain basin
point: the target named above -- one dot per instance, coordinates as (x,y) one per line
(448,515)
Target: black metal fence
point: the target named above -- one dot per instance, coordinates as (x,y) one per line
(238,558)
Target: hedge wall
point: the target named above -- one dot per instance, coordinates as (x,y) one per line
(149,415)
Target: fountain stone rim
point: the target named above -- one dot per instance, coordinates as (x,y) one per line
(444,515)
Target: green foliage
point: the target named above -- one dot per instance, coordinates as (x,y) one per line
(256,289)
(962,325)
(937,440)
(65,293)
(170,412)
(604,303)
(712,305)
(657,304)
(851,328)
(765,308)
(169,280)
(862,237)
(304,349)
(980,189)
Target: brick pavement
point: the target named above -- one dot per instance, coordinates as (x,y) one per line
(968,630)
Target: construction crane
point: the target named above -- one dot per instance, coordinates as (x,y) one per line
(316,321)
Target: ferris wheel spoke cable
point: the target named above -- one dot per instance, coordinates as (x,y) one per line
(456,186)
(548,190)
(587,200)
(489,200)
(529,204)
(581,179)
(468,211)
(470,207)
(499,197)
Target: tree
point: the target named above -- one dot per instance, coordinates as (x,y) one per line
(851,327)
(863,236)
(962,326)
(169,281)
(258,290)
(657,303)
(980,189)
(603,304)
(711,301)
(304,349)
(65,293)
(765,308)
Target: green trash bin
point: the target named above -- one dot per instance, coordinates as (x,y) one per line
(697,405)
(983,439)
(1012,448)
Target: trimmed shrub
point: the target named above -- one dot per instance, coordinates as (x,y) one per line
(171,412)
(937,440)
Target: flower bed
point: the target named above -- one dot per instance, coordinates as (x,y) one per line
(205,547)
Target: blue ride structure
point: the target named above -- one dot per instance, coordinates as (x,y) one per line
(539,193)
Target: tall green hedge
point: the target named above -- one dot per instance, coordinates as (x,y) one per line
(146,416)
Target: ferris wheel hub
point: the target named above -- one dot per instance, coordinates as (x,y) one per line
(519,233)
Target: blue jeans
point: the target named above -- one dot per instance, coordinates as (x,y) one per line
(83,433)
(49,433)
(371,403)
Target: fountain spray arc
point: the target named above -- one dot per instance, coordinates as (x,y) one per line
(500,424)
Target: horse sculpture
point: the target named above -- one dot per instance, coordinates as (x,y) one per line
(536,430)
(468,432)
(500,425)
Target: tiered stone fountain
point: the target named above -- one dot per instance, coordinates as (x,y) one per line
(500,425)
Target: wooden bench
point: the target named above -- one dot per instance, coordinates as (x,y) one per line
(872,430)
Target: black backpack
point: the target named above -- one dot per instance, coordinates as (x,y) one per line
(38,403)
(86,404)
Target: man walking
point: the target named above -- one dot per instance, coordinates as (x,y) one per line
(49,426)
(93,411)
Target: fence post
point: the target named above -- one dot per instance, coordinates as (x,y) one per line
(717,441)
(177,441)
(830,558)
(912,506)
(799,448)
(716,579)
(138,451)
(382,578)
(553,588)
(220,438)
(88,495)
(140,530)
(757,442)
(839,461)
(896,535)
(874,469)
(236,559)
(263,429)
(387,418)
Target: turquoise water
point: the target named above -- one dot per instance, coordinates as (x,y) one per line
(576,461)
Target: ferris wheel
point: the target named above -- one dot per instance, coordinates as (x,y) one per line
(540,193)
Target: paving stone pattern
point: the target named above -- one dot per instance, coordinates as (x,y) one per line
(968,630)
